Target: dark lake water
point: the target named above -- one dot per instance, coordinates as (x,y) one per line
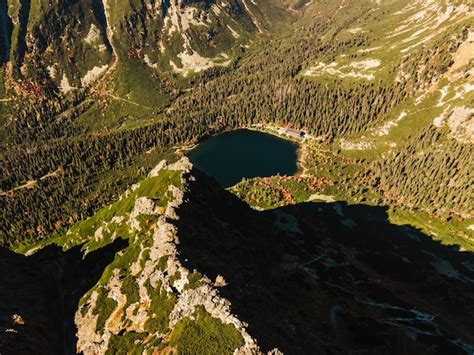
(231,156)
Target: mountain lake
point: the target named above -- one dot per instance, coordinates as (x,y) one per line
(231,156)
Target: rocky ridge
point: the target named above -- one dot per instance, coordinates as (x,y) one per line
(156,270)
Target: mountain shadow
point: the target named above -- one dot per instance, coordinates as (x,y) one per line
(39,296)
(330,277)
(308,279)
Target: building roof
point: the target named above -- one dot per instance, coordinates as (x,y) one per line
(294,131)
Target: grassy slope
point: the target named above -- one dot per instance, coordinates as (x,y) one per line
(205,334)
(392,31)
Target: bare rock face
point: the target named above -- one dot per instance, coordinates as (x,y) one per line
(94,37)
(86,334)
(461,124)
(143,205)
(156,170)
(220,282)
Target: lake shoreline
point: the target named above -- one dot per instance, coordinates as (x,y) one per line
(241,153)
(273,130)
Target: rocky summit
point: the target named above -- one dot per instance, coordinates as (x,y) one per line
(236,177)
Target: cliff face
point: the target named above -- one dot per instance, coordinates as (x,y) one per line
(329,277)
(142,300)
(180,36)
(72,44)
(202,272)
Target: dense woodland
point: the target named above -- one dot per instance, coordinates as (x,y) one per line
(433,172)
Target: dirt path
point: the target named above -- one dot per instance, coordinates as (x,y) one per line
(32,183)
(28,185)
(124,100)
(58,171)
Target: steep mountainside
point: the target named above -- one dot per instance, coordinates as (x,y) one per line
(202,272)
(70,59)
(75,42)
(367,249)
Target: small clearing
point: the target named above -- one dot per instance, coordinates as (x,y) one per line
(362,144)
(385,129)
(366,64)
(196,63)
